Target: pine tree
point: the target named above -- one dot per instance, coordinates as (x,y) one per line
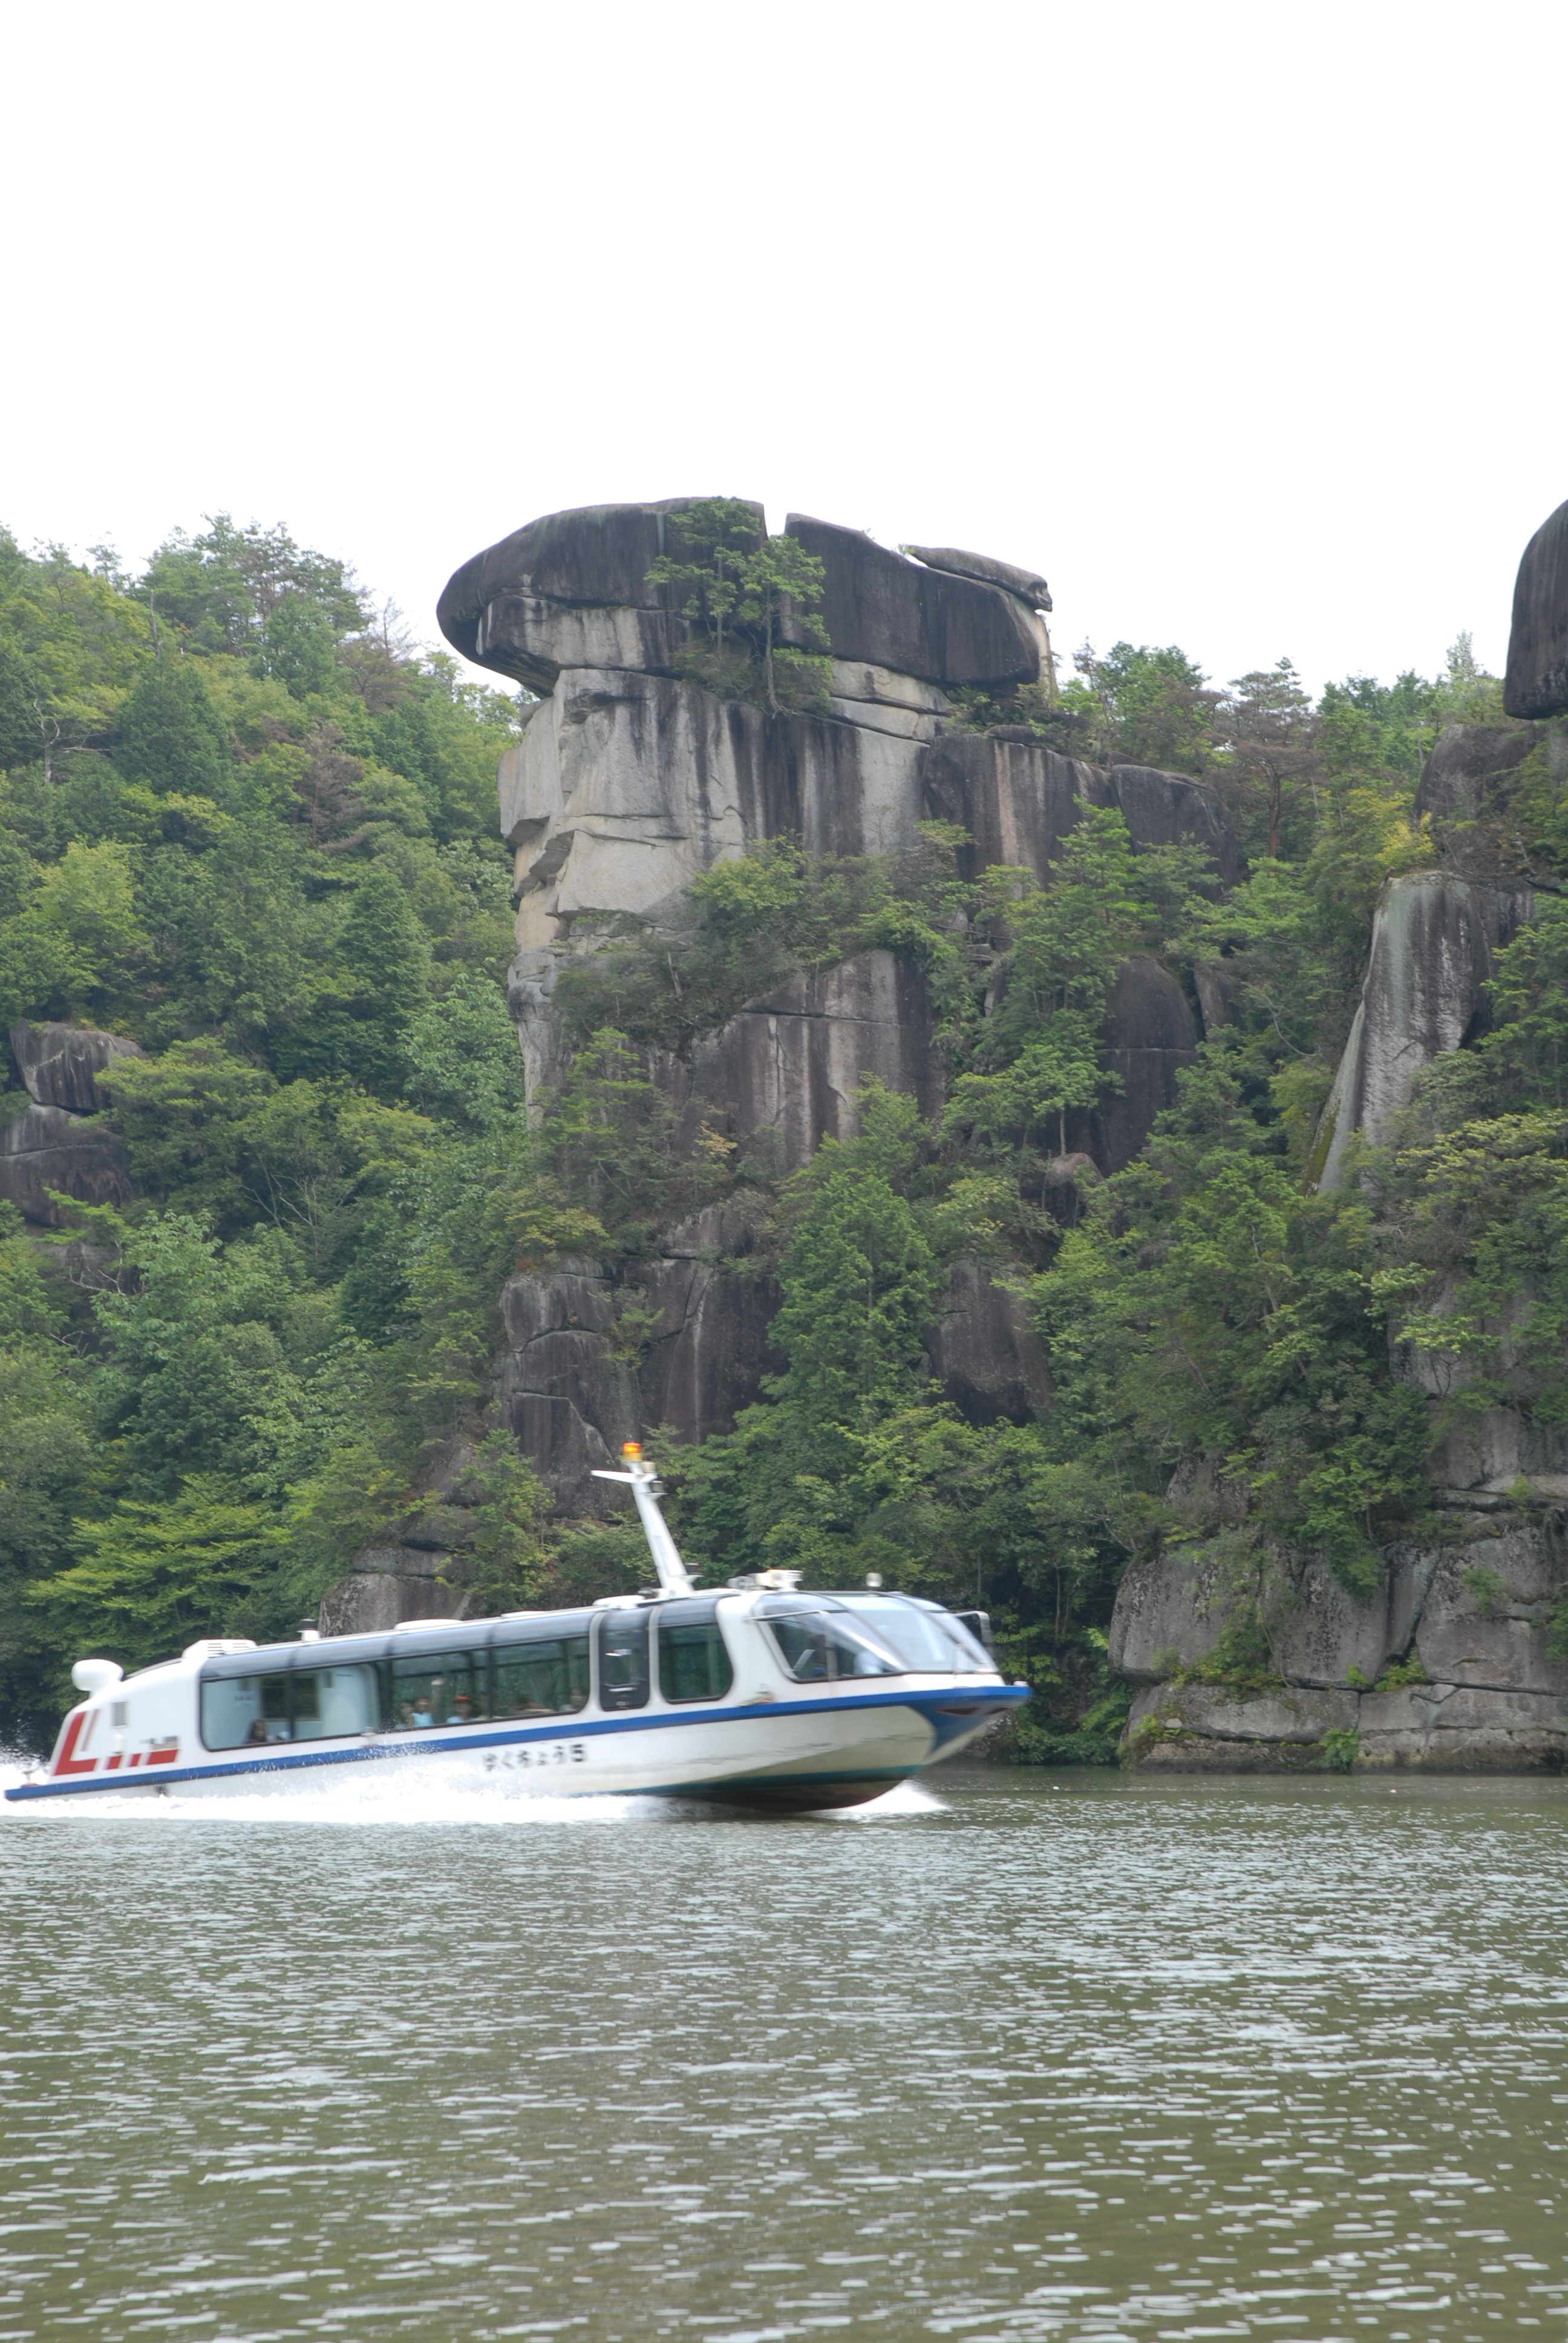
(172,738)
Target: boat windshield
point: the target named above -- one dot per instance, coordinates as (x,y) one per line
(819,1645)
(933,1642)
(829,1637)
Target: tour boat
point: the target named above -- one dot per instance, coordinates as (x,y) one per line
(758,1694)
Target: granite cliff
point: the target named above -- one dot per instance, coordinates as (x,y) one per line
(1453,1662)
(629,780)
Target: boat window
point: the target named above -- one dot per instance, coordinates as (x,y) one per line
(623,1659)
(542,1676)
(693,1661)
(930,1642)
(235,1710)
(329,1700)
(820,1646)
(437,1688)
(245,1712)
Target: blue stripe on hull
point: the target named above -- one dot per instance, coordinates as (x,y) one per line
(928,1704)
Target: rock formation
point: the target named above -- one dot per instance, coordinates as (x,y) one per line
(1437,932)
(1459,1629)
(629,780)
(51,1143)
(1536,682)
(1434,940)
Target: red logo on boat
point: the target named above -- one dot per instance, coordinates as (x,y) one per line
(163,1752)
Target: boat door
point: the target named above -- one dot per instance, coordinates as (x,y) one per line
(623,1659)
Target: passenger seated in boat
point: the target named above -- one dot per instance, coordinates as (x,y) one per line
(415,1713)
(463,1710)
(258,1730)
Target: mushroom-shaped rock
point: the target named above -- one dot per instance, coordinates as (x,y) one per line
(571,591)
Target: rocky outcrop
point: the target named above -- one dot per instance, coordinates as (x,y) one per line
(782,1075)
(1018,799)
(1470,1628)
(681,1342)
(1216,992)
(705,1347)
(389,1583)
(1150,1034)
(60,1063)
(1466,795)
(953,629)
(1434,943)
(984,1352)
(1536,682)
(625,785)
(1483,1454)
(629,780)
(49,1143)
(1025,585)
(570,590)
(45,1149)
(567,1390)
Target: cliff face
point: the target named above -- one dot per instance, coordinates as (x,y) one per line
(1464,1620)
(628,781)
(1434,942)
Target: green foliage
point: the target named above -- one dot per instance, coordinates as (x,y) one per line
(21,736)
(220,588)
(246,822)
(155,1576)
(46,1465)
(1233,1317)
(748,925)
(172,738)
(1340,1750)
(299,643)
(1150,706)
(730,578)
(1486,1588)
(506,1503)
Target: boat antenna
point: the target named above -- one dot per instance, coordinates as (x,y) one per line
(647,1489)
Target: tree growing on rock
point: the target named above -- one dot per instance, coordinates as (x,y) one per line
(759,591)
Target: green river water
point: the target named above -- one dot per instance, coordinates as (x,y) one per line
(1016,2056)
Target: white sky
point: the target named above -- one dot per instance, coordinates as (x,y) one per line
(1244,323)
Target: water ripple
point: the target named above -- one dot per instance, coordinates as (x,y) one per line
(1014,2057)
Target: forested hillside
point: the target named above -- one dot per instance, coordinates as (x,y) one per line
(245,824)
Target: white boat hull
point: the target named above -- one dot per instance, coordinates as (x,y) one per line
(838,1750)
